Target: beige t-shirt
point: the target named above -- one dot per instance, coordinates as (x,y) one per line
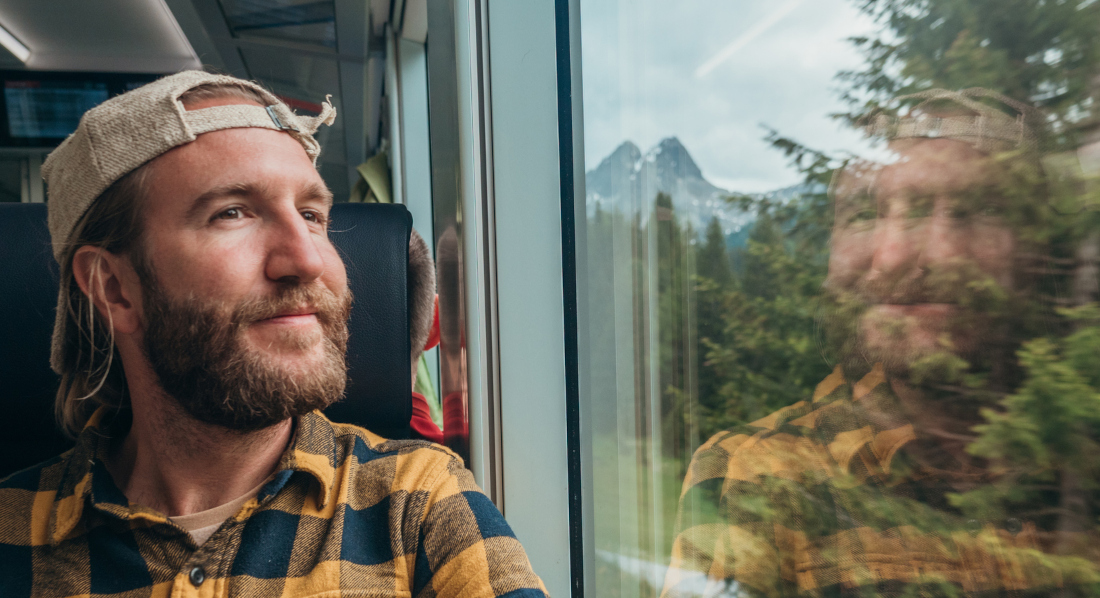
(203,524)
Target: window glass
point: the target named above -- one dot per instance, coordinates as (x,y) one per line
(842,272)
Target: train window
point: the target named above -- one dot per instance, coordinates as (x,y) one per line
(841,283)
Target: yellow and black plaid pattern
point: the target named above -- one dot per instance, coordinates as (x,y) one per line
(817,500)
(347,514)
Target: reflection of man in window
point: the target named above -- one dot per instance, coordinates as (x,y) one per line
(869,488)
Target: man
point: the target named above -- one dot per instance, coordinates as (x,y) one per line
(201,325)
(873,486)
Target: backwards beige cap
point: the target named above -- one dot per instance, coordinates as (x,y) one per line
(131,129)
(981,125)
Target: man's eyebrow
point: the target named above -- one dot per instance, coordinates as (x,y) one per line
(318,191)
(311,191)
(238,189)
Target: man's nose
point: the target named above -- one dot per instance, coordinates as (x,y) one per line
(293,252)
(899,245)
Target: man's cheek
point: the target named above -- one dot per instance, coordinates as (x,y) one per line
(849,258)
(335,276)
(994,249)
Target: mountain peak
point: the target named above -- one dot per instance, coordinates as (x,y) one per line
(626,153)
(614,173)
(627,146)
(629,180)
(673,161)
(671,144)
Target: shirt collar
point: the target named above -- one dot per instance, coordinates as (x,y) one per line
(883,437)
(76,481)
(312,450)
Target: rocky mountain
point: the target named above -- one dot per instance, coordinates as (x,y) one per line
(628,180)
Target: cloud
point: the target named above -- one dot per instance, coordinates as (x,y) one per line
(640,59)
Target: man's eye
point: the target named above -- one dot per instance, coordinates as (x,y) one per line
(317,217)
(230,214)
(958,212)
(862,216)
(860,207)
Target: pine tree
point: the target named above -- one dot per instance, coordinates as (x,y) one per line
(1042,52)
(713,260)
(713,281)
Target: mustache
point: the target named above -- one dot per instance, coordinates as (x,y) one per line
(912,288)
(960,282)
(330,308)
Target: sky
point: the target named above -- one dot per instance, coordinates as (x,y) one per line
(714,73)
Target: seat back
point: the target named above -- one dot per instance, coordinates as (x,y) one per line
(28,299)
(373,240)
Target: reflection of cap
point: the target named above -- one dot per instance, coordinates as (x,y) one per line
(960,115)
(127,131)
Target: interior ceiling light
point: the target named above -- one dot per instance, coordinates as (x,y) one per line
(13,45)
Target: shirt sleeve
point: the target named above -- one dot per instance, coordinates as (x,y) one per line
(466,547)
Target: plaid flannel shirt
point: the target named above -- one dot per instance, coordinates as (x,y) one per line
(347,514)
(818,500)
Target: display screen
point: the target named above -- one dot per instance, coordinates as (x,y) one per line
(49,109)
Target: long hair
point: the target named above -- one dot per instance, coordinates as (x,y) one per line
(88,352)
(421,294)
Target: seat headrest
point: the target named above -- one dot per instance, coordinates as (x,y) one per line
(372,239)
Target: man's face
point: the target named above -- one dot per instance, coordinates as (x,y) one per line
(246,299)
(922,243)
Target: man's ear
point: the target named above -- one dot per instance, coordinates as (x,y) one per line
(111,282)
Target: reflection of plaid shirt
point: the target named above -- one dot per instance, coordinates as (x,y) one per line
(816,500)
(347,514)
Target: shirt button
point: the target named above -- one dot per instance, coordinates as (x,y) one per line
(197,576)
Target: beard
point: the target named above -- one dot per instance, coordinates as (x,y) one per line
(198,351)
(926,329)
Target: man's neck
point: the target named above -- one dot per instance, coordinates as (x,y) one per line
(175,464)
